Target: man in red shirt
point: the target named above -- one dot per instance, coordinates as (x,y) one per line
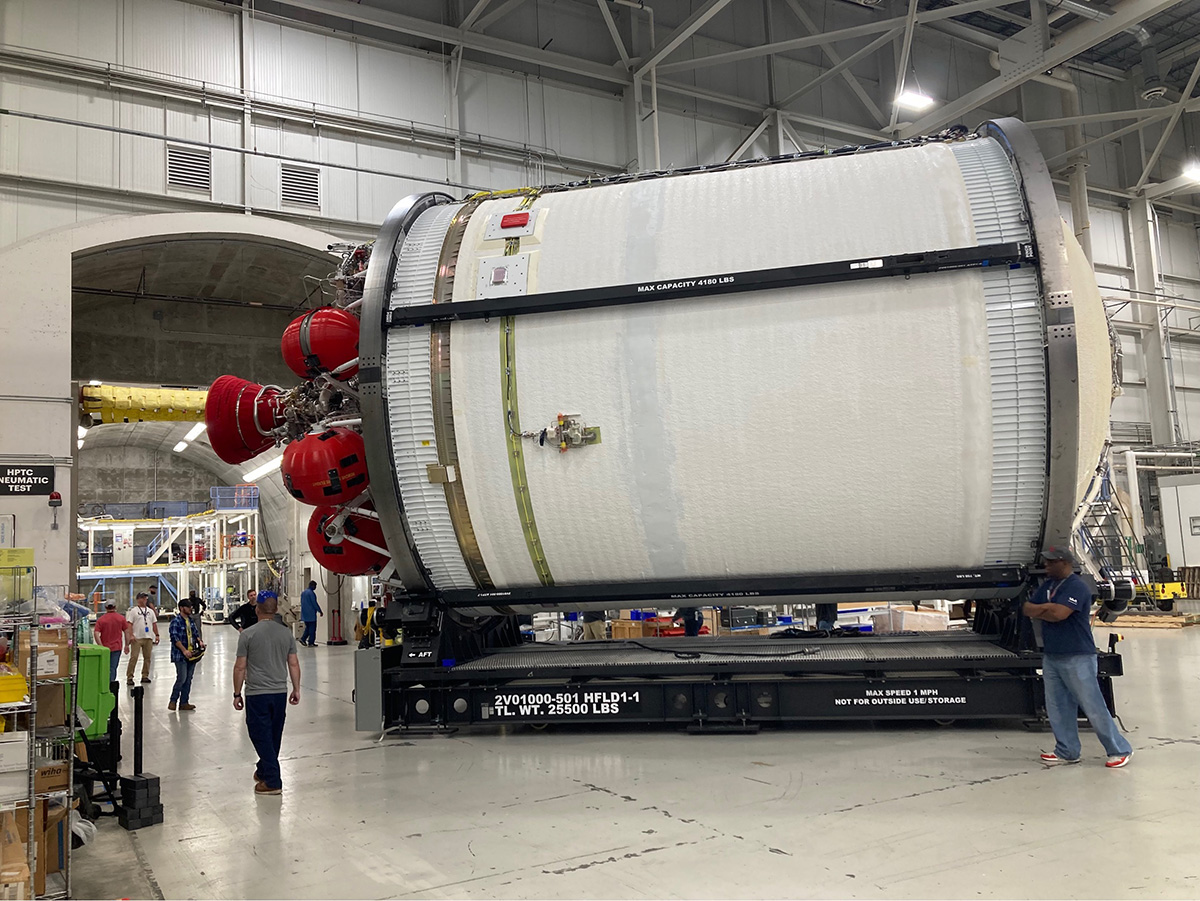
(110,631)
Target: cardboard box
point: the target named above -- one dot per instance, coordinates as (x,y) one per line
(624,628)
(14,752)
(51,775)
(57,841)
(21,814)
(51,827)
(51,706)
(53,653)
(14,861)
(909,620)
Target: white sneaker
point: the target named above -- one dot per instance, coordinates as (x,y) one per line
(1118,760)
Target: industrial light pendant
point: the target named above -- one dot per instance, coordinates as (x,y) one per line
(914,100)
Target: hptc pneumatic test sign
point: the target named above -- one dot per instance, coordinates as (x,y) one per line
(26,480)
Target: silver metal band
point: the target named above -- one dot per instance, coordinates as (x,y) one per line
(385,492)
(1062,356)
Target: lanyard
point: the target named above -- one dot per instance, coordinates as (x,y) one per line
(144,613)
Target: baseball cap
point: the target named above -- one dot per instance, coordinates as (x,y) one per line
(112,604)
(1058,553)
(185,602)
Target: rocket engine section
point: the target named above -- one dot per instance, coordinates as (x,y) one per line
(889,359)
(885,360)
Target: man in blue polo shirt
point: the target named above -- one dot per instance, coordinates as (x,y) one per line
(1063,604)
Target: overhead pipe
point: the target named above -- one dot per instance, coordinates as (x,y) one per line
(640,5)
(1153,87)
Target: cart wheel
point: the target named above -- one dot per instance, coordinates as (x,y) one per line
(1166,605)
(945,722)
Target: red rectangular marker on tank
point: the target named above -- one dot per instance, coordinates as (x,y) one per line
(514,220)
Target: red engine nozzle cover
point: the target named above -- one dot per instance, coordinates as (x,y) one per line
(240,415)
(326,468)
(346,558)
(321,341)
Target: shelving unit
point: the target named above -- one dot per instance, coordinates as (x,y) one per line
(44,746)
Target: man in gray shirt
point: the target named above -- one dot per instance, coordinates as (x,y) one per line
(266,657)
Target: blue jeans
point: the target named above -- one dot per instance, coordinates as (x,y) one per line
(310,632)
(1071,685)
(182,689)
(264,721)
(114,661)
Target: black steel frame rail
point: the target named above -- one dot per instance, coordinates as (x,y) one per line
(1008,255)
(619,594)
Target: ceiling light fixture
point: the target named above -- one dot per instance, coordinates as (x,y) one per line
(194,432)
(1192,172)
(914,100)
(270,466)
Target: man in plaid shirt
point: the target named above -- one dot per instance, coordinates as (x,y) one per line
(186,649)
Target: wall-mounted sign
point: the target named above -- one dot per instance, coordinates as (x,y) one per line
(8,530)
(26,480)
(16,556)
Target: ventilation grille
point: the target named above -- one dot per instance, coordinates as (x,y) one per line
(190,168)
(300,186)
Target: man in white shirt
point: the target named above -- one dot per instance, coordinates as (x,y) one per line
(143,635)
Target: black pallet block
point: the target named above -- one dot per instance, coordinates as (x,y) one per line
(140,800)
(142,782)
(140,819)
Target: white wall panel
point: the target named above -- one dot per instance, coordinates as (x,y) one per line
(584,125)
(339,188)
(226,130)
(1109,244)
(87,29)
(495,104)
(401,86)
(142,160)
(185,40)
(1131,406)
(186,122)
(264,172)
(1180,253)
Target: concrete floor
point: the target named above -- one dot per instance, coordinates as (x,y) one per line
(853,811)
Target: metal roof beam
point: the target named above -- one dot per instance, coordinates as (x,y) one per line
(1090,118)
(479,9)
(749,141)
(1169,129)
(448,34)
(496,15)
(842,66)
(1104,139)
(1174,186)
(910,26)
(686,29)
(1070,44)
(829,37)
(612,30)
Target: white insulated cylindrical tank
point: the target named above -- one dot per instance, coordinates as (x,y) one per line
(946,419)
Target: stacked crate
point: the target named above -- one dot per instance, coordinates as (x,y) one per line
(141,804)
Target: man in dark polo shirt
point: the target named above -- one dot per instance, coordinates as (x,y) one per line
(1063,604)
